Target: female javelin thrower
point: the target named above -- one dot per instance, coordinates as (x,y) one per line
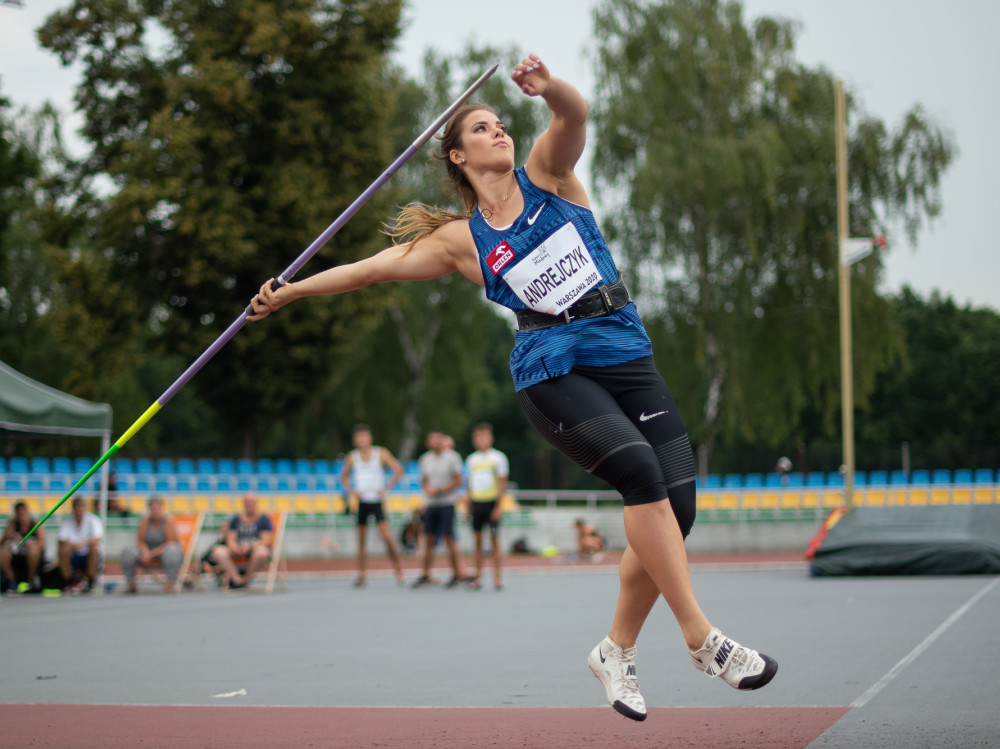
(582,362)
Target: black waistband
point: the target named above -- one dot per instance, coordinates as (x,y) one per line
(602,301)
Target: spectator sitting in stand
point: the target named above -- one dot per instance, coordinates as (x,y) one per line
(589,541)
(248,540)
(158,547)
(81,548)
(21,562)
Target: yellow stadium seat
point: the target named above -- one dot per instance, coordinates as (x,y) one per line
(303,504)
(810,499)
(339,505)
(707,500)
(201,503)
(396,504)
(7,505)
(961,496)
(769,500)
(282,503)
(791,499)
(322,503)
(874,497)
(940,496)
(728,501)
(919,497)
(224,504)
(180,503)
(508,503)
(137,504)
(983,496)
(898,497)
(833,498)
(750,500)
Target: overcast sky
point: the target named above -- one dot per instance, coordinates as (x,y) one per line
(890,53)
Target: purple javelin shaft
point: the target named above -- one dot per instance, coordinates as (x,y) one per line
(325,237)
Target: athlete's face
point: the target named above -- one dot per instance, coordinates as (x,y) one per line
(485,142)
(362,440)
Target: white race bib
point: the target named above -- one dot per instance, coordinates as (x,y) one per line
(555,274)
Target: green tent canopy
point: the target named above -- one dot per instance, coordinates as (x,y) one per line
(29,406)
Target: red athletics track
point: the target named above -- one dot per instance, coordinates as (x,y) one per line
(231,727)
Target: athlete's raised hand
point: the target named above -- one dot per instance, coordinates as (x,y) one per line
(531,75)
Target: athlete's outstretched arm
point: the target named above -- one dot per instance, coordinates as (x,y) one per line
(442,252)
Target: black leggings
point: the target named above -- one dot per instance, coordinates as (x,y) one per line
(621,424)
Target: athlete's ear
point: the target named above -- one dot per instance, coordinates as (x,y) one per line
(456,156)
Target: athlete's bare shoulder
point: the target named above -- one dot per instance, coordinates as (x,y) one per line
(456,239)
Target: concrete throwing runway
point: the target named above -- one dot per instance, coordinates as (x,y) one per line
(864,662)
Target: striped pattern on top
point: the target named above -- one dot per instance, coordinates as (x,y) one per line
(543,354)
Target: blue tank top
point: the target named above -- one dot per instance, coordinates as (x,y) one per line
(543,354)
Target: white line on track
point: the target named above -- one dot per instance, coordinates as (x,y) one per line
(928,641)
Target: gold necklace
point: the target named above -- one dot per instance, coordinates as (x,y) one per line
(488,212)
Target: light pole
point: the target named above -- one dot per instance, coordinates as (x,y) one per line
(849,251)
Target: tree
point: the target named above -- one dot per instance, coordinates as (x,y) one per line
(229,149)
(715,149)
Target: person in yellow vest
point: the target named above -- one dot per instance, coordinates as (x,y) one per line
(487,471)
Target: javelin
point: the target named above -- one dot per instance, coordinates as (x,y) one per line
(278,282)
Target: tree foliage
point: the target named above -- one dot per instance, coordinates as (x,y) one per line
(229,146)
(715,149)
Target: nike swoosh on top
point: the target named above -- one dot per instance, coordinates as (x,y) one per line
(647,417)
(600,653)
(533,219)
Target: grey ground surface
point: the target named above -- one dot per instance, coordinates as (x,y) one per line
(324,643)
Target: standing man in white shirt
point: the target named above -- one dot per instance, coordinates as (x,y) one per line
(363,478)
(81,546)
(487,470)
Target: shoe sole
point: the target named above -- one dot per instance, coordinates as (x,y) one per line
(618,705)
(762,679)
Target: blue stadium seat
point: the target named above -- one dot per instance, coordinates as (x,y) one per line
(899,478)
(144,465)
(182,483)
(225,465)
(796,478)
(303,466)
(122,465)
(753,479)
(337,467)
(18,465)
(712,481)
(163,484)
(772,479)
(140,484)
(733,480)
(204,484)
(165,465)
(282,484)
(60,465)
(3,465)
(815,478)
(41,465)
(205,466)
(244,466)
(81,465)
(264,465)
(920,476)
(836,478)
(58,484)
(323,483)
(303,484)
(35,485)
(185,466)
(983,476)
(322,466)
(878,478)
(941,476)
(224,482)
(243,484)
(283,466)
(962,476)
(412,466)
(13,484)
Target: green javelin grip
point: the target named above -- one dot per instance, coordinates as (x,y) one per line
(281,280)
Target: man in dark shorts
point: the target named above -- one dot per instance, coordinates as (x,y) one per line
(487,470)
(441,478)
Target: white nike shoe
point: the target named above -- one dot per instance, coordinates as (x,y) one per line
(615,667)
(739,667)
